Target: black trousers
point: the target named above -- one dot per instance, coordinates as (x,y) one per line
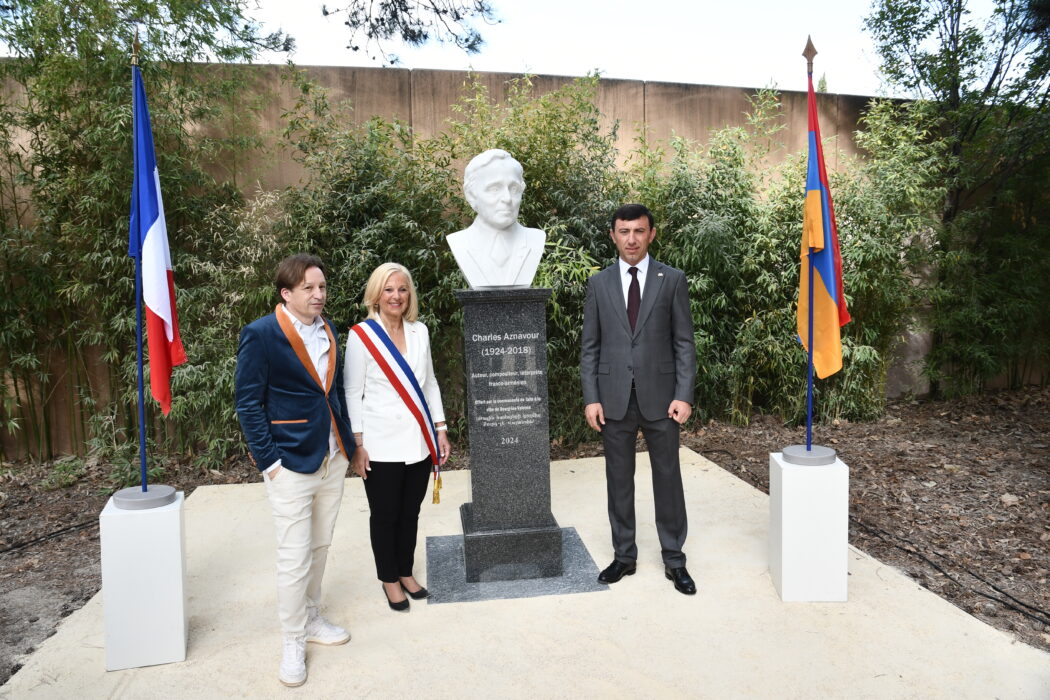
(395,491)
(661,437)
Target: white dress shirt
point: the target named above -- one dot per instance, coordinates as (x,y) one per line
(317,345)
(390,432)
(625,276)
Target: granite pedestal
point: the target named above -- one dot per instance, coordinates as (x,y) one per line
(509,531)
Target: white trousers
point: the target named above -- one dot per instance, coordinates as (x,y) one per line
(304,510)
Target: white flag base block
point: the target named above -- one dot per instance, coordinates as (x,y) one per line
(808,529)
(143,584)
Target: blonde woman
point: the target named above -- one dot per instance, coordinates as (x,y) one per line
(394,403)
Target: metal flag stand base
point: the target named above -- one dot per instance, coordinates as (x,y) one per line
(135,498)
(814,456)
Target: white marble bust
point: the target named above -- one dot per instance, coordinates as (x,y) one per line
(495,250)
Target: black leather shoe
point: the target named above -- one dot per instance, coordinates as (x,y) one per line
(421,594)
(683,582)
(400,606)
(616,571)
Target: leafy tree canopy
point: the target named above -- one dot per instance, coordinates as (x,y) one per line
(65,177)
(178,30)
(990,78)
(415,22)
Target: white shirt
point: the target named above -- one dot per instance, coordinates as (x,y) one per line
(317,346)
(389,431)
(625,276)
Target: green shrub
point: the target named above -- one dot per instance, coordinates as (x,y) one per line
(375,192)
(736,234)
(65,179)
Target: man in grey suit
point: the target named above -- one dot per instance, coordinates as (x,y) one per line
(638,366)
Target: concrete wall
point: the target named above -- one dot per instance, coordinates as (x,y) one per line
(423,99)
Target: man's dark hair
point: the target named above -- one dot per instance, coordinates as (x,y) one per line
(292,270)
(630,212)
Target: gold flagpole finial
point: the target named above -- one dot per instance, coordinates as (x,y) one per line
(809,53)
(135,46)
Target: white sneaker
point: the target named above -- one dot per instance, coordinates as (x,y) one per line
(321,631)
(293,661)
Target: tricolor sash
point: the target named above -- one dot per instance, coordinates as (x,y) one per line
(403,379)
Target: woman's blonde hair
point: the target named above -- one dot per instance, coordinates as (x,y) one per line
(378,280)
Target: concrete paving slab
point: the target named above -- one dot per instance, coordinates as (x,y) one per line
(640,638)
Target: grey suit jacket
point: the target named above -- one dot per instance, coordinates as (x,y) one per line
(659,356)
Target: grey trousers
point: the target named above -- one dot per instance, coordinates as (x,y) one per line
(661,437)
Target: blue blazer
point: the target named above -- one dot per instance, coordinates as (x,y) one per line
(286,411)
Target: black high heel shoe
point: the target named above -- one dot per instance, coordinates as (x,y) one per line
(421,594)
(401,606)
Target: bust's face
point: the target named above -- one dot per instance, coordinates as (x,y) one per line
(495,194)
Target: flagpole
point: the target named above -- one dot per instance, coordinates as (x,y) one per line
(810,454)
(138,315)
(142,396)
(144,497)
(809,54)
(809,345)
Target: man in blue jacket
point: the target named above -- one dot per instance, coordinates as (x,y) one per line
(290,405)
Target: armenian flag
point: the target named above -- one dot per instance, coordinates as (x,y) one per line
(820,253)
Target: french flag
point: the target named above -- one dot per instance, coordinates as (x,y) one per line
(148,242)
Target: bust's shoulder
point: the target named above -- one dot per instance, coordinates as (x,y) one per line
(460,241)
(533,235)
(463,235)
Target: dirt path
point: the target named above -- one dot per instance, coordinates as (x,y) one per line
(957,494)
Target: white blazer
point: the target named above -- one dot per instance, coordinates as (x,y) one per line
(390,432)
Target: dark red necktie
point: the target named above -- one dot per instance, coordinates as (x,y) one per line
(634,298)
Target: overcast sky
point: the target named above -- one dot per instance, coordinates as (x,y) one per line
(747,43)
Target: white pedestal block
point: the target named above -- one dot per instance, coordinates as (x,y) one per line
(143,585)
(808,529)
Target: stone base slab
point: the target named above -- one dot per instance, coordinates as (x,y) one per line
(447,576)
(510,554)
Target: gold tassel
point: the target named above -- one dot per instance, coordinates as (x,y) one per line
(437,489)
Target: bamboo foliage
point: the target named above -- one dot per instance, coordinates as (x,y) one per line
(65,174)
(377,192)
